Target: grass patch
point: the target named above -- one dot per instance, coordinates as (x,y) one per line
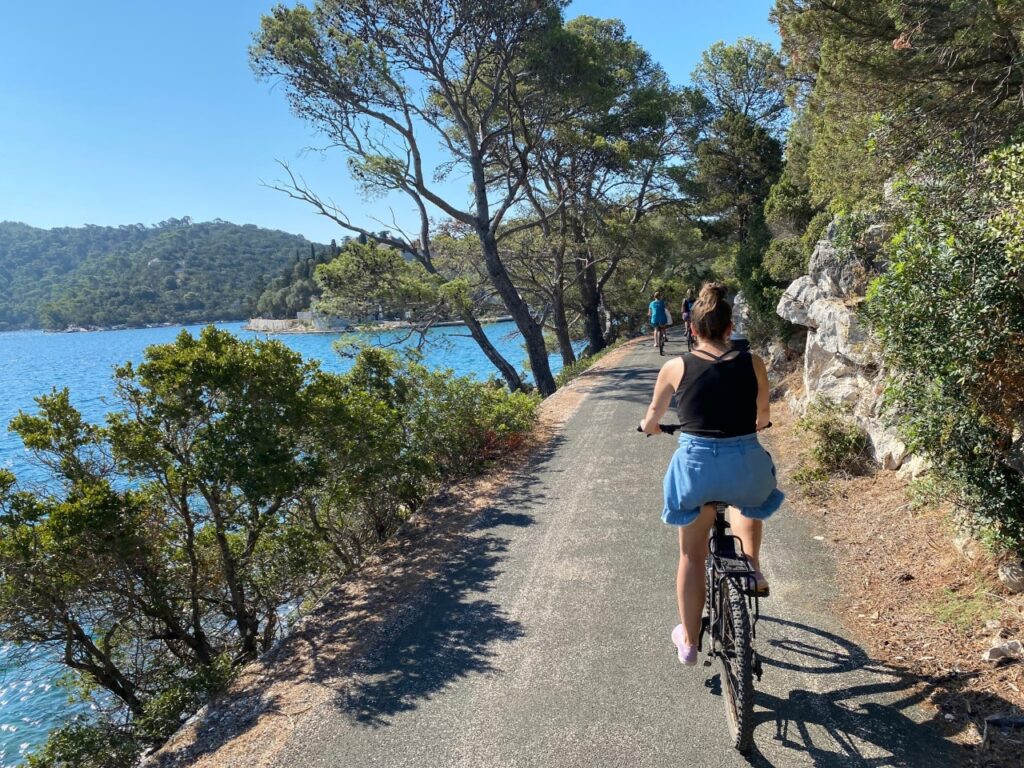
(812,481)
(965,612)
(570,372)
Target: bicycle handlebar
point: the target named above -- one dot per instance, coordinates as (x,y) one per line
(671,429)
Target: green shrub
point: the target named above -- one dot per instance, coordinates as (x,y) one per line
(839,444)
(236,482)
(949,313)
(86,746)
(813,481)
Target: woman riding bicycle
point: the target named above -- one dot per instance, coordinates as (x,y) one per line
(722,404)
(658,315)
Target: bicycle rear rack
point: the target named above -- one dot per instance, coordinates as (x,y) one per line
(728,561)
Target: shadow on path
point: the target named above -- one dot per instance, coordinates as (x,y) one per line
(446,635)
(384,643)
(448,630)
(844,723)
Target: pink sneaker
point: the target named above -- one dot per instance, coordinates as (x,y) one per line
(687,653)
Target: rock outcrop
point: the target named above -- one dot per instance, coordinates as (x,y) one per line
(841,360)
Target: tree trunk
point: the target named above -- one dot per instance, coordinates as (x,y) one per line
(590,297)
(558,309)
(508,372)
(533,335)
(248,626)
(562,330)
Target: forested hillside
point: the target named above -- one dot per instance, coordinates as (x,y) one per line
(176,271)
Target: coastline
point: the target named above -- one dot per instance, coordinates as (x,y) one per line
(383,325)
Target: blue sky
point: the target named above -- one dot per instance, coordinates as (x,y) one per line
(138,111)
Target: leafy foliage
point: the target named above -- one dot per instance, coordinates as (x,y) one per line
(294,289)
(177,271)
(950,315)
(235,482)
(838,445)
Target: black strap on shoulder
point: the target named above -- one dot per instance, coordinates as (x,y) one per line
(715,358)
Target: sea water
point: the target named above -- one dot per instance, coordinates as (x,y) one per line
(34,363)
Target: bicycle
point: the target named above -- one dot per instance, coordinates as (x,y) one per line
(691,342)
(731,611)
(660,337)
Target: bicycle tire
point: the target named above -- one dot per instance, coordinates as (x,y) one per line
(737,659)
(661,342)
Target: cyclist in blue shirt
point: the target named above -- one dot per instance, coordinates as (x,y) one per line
(658,315)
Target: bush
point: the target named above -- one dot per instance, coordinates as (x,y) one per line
(839,446)
(570,372)
(949,313)
(86,746)
(236,483)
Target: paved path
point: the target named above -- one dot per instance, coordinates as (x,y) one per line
(546,643)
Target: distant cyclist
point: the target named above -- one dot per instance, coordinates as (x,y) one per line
(686,310)
(722,403)
(687,307)
(658,315)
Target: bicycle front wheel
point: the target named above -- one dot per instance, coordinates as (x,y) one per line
(737,658)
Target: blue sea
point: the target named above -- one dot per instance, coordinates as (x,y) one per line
(34,362)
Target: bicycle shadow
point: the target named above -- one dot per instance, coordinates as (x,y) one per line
(860,713)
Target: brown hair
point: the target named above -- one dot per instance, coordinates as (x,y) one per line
(711,313)
(657,294)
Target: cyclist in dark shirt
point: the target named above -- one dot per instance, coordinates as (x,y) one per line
(722,396)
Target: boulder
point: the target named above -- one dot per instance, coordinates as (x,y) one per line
(1011,575)
(797,299)
(888,449)
(915,466)
(845,272)
(830,376)
(840,332)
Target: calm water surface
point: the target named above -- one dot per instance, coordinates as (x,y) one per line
(33,363)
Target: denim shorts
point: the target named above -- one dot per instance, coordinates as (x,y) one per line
(734,470)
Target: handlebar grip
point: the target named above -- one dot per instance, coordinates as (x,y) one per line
(668,429)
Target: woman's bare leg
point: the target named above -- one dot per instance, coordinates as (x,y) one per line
(750,532)
(693,551)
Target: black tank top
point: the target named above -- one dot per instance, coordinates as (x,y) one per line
(718,398)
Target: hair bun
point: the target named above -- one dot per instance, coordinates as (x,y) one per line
(712,293)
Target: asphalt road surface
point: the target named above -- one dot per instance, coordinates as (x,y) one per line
(546,641)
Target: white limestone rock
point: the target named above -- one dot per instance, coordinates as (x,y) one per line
(829,376)
(915,466)
(840,332)
(888,449)
(1011,575)
(796,301)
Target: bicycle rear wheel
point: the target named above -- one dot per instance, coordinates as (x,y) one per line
(737,659)
(661,342)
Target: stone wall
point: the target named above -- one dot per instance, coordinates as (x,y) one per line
(841,360)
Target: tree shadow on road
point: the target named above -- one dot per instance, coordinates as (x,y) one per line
(450,629)
(862,713)
(392,635)
(449,633)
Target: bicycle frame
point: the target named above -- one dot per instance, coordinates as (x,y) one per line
(727,561)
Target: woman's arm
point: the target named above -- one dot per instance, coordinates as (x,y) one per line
(764,415)
(668,380)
